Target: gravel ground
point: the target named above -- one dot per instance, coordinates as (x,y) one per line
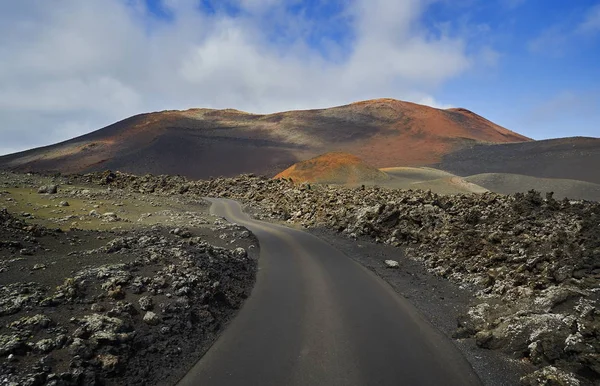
(528,266)
(131,304)
(532,263)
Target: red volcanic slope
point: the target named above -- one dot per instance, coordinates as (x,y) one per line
(200,143)
(333,168)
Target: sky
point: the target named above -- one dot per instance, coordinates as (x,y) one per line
(68,67)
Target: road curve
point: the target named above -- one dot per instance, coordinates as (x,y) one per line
(316,317)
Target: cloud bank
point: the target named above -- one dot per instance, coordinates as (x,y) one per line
(70,66)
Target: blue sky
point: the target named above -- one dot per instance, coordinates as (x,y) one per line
(546,82)
(69,67)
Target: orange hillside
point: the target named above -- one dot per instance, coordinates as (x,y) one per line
(333,168)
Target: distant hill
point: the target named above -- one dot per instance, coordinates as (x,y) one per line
(200,143)
(576,158)
(349,170)
(334,168)
(506,183)
(424,178)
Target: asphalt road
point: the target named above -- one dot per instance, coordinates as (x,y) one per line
(316,317)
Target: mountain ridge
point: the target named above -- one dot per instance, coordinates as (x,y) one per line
(383,132)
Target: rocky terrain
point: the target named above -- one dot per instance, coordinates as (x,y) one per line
(131,296)
(532,261)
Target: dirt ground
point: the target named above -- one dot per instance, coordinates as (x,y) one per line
(101,286)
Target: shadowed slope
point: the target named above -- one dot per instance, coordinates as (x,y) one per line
(200,143)
(506,183)
(575,158)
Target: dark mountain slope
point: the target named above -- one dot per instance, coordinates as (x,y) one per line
(576,158)
(200,143)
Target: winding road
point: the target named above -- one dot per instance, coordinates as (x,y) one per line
(316,317)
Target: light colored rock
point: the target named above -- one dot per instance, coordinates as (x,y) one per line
(8,343)
(35,321)
(110,216)
(550,375)
(392,264)
(146,303)
(108,362)
(240,253)
(151,318)
(48,189)
(44,346)
(97,322)
(97,307)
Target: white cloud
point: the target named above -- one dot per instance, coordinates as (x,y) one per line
(69,66)
(430,101)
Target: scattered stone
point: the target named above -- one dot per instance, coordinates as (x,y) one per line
(26,252)
(97,308)
(44,346)
(151,318)
(10,344)
(146,303)
(116,293)
(108,362)
(48,189)
(240,253)
(185,234)
(392,264)
(110,216)
(534,260)
(550,376)
(31,323)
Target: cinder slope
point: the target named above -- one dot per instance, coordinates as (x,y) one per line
(438,181)
(199,143)
(334,168)
(416,174)
(575,158)
(506,183)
